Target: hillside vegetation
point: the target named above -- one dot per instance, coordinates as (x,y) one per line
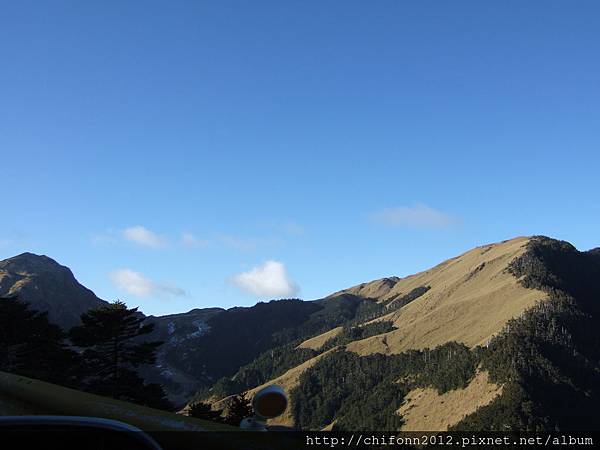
(502,337)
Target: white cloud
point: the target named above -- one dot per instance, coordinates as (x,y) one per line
(143,236)
(418,216)
(189,240)
(138,285)
(267,280)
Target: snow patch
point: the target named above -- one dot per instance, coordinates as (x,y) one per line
(167,373)
(201,329)
(171,327)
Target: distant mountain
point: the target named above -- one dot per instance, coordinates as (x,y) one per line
(175,331)
(595,252)
(202,346)
(46,286)
(50,287)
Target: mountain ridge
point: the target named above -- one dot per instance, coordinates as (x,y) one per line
(426,318)
(533,283)
(449,335)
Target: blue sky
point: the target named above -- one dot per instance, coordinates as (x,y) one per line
(191,154)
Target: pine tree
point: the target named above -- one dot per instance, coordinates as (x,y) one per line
(110,336)
(32,346)
(240,408)
(202,410)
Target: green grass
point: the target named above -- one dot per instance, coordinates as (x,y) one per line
(49,398)
(20,395)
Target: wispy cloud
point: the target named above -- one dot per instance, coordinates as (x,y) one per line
(108,237)
(247,244)
(417,216)
(138,285)
(288,227)
(144,237)
(190,240)
(267,280)
(18,239)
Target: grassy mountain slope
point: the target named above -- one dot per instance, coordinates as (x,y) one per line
(548,360)
(497,338)
(427,409)
(470,299)
(39,397)
(467,299)
(315,343)
(26,396)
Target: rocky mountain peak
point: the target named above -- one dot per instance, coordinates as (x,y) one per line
(46,286)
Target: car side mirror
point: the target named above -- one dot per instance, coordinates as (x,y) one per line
(72,432)
(268,403)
